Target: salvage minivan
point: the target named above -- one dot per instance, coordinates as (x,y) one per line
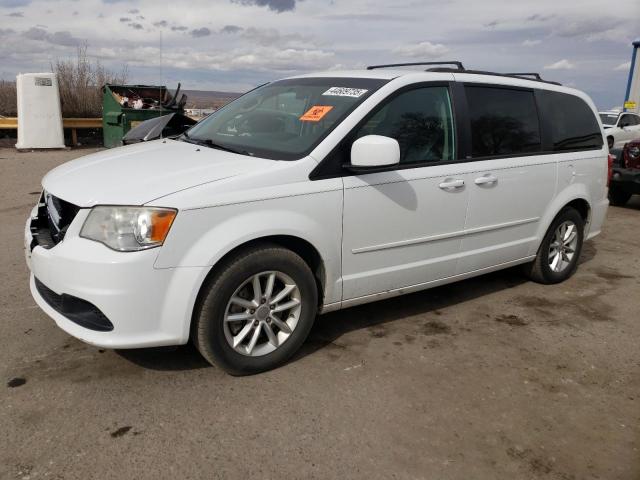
(312,194)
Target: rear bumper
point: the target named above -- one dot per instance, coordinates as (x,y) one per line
(145,306)
(626,179)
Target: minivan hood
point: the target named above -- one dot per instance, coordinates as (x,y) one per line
(143,172)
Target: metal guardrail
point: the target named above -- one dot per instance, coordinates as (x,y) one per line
(11,123)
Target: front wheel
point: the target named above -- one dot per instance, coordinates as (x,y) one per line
(257,311)
(558,255)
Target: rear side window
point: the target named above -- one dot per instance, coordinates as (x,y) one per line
(503,121)
(572,124)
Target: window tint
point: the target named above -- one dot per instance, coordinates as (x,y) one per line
(572,124)
(420,120)
(628,121)
(503,121)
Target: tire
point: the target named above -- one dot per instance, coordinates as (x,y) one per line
(541,269)
(618,197)
(214,334)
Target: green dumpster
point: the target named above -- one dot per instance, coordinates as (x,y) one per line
(125,106)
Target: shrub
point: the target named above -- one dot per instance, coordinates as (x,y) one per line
(8,101)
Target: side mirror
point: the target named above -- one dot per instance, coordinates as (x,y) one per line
(373,153)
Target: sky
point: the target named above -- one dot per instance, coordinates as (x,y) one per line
(234,45)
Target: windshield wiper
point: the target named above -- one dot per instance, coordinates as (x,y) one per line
(211,144)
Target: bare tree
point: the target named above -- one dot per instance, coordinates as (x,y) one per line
(80,82)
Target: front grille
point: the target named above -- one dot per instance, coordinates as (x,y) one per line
(79,311)
(53,219)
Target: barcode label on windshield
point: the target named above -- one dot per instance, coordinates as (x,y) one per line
(345,92)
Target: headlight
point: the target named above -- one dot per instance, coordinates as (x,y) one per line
(128,229)
(634,152)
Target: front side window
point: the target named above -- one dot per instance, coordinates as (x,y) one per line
(283,120)
(628,120)
(420,120)
(572,123)
(503,121)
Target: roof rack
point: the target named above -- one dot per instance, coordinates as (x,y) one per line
(460,67)
(535,76)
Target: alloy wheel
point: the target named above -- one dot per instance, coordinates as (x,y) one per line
(262,313)
(563,246)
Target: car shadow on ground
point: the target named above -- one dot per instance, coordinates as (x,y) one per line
(330,327)
(632,204)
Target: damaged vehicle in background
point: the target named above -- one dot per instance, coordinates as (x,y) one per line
(625,178)
(312,194)
(169,125)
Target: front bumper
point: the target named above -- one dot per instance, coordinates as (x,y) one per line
(626,179)
(146,306)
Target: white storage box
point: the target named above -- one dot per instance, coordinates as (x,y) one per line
(39,113)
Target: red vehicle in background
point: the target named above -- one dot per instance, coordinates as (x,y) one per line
(625,177)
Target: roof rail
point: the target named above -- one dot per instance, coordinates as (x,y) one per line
(534,75)
(459,65)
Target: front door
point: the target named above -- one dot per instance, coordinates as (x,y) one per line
(403,227)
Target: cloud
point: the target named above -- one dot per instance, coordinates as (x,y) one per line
(161,23)
(16,14)
(531,43)
(200,32)
(14,3)
(563,64)
(278,6)
(36,33)
(133,11)
(591,29)
(179,29)
(421,50)
(63,38)
(231,29)
(125,19)
(624,66)
(136,26)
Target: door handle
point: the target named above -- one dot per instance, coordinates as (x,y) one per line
(451,183)
(486,180)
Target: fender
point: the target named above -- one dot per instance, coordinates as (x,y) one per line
(574,191)
(208,234)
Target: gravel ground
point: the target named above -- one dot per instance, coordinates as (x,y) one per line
(490,378)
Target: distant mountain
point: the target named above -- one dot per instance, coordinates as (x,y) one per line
(208,99)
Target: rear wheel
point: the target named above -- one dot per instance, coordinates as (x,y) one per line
(558,255)
(618,197)
(257,311)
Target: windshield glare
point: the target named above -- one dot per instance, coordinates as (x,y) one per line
(284,120)
(608,118)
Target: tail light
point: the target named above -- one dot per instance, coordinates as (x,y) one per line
(610,161)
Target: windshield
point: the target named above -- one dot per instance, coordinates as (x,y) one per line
(608,118)
(283,120)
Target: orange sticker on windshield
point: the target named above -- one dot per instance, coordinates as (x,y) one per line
(315,114)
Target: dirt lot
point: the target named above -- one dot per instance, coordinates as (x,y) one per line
(491,378)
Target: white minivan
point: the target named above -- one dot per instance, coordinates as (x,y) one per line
(312,194)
